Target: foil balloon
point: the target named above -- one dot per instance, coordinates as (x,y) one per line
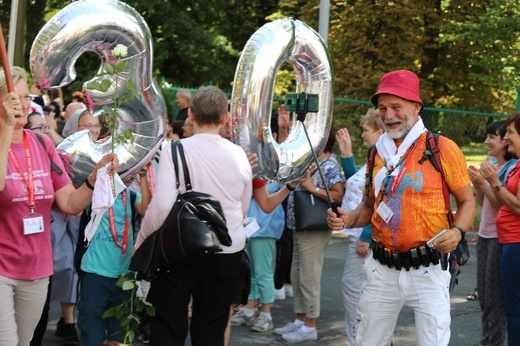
(251,101)
(98,26)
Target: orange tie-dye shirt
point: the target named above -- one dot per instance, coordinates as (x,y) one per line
(417,202)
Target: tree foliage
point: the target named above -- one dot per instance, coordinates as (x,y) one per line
(466,53)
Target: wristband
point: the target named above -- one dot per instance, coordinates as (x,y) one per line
(89,185)
(498,188)
(289,187)
(462,231)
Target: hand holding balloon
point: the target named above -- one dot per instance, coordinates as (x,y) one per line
(253,159)
(108,158)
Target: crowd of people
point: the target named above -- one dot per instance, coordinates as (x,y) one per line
(390,208)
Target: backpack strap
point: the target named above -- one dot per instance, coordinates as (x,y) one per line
(433,154)
(133,212)
(54,166)
(371,157)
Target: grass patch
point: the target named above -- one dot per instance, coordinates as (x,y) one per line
(475,153)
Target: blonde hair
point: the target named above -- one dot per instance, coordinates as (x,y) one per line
(17,74)
(373,120)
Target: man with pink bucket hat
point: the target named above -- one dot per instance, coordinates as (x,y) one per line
(405,204)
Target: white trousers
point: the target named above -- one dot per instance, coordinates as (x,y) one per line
(385,292)
(351,283)
(21,306)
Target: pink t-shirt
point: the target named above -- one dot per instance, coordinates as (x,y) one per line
(28,257)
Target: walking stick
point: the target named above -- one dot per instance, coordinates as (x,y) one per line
(5,62)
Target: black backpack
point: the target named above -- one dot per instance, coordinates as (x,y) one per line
(461,254)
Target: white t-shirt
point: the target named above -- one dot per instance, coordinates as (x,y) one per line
(217,167)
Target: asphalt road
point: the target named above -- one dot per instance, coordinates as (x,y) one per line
(465,325)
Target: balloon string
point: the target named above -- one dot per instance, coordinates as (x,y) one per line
(5,62)
(332,204)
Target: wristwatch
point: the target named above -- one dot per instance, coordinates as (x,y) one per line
(317,189)
(462,231)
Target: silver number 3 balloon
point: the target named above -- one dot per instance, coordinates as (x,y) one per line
(98,26)
(253,88)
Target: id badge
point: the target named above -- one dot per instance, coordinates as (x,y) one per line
(32,223)
(385,212)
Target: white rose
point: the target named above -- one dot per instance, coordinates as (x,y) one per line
(120,51)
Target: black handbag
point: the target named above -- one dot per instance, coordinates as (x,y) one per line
(195,226)
(310,212)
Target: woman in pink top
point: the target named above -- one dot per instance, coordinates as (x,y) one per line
(28,188)
(508,228)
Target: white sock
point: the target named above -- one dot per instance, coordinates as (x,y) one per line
(266,314)
(298,323)
(248,312)
(306,329)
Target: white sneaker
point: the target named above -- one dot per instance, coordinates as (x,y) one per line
(289,291)
(240,318)
(299,335)
(279,294)
(289,328)
(262,324)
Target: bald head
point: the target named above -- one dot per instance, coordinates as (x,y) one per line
(71,108)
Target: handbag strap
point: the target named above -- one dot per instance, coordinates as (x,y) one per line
(177,145)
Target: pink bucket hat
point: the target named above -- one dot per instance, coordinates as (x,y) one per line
(401,83)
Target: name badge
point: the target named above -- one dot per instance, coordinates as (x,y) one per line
(32,223)
(385,212)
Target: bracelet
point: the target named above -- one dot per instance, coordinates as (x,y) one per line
(289,187)
(462,231)
(89,185)
(498,188)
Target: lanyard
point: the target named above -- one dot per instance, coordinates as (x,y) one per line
(29,182)
(399,177)
(113,229)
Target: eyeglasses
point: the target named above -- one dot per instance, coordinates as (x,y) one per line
(42,128)
(92,126)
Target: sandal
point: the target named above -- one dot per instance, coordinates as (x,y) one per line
(473,295)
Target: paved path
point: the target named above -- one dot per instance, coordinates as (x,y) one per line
(465,324)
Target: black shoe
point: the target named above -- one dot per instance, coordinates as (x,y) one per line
(59,327)
(70,335)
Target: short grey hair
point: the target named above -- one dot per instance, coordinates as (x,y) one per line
(185,93)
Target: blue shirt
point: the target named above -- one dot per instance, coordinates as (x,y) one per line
(103,257)
(272,224)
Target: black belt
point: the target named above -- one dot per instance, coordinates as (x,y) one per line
(414,258)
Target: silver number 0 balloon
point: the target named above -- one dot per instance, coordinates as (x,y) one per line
(253,89)
(98,26)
